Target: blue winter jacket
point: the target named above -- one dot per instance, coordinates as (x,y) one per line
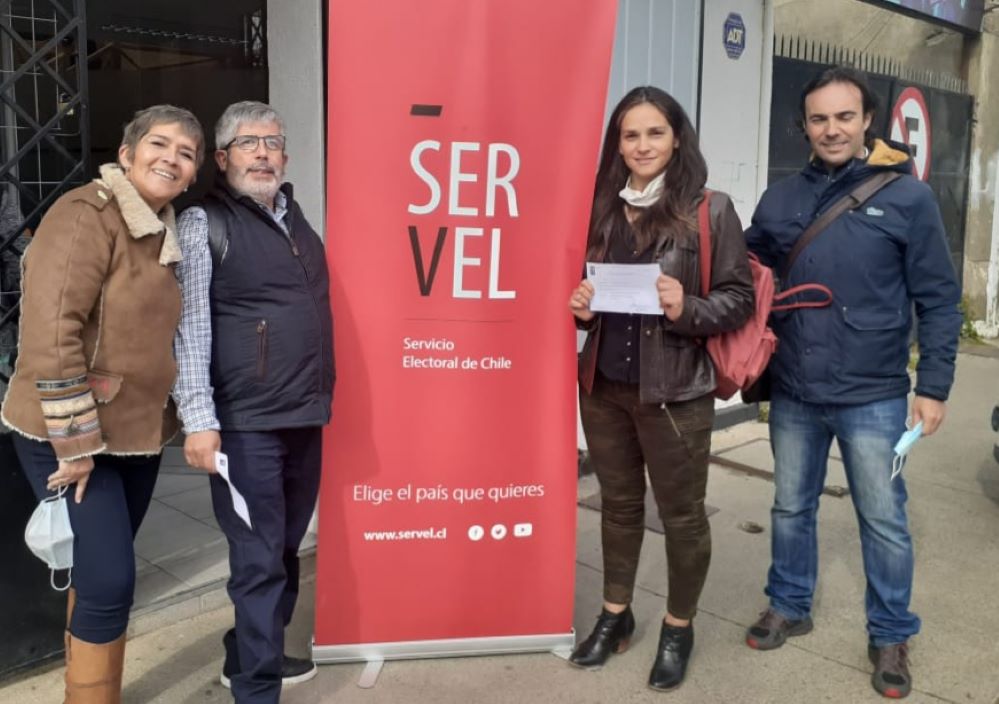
(878,260)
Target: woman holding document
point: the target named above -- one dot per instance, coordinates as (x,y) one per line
(646,380)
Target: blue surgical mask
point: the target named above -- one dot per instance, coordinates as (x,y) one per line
(902,447)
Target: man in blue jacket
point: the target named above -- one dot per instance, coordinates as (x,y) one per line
(255,380)
(841,371)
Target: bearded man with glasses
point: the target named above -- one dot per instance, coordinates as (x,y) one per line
(255,381)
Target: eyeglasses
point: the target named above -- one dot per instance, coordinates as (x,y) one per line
(249,142)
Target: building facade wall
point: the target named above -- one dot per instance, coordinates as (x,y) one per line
(656,42)
(853,24)
(981,263)
(295,59)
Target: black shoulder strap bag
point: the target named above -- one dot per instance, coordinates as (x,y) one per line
(218,236)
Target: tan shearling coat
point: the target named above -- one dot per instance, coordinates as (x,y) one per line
(99,308)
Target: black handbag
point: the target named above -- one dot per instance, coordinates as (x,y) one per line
(760,390)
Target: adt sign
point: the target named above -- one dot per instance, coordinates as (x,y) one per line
(734,35)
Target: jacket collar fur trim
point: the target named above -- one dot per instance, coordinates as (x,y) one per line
(884,154)
(139,217)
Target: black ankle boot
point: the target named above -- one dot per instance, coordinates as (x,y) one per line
(672,655)
(611,635)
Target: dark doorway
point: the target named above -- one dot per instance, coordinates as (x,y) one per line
(195,54)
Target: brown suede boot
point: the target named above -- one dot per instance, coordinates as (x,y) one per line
(93,671)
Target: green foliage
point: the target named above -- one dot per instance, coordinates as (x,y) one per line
(968,331)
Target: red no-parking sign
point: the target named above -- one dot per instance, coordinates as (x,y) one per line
(910,124)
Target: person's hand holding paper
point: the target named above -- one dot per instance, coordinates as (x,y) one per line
(238,502)
(624,288)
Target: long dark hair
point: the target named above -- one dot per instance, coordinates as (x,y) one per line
(686,174)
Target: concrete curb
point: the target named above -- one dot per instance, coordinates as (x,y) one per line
(179,607)
(199,600)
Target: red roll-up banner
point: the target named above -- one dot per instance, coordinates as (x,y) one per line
(462,145)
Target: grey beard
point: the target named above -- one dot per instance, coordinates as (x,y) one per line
(261,192)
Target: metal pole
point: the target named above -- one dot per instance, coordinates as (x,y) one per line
(9,139)
(82,71)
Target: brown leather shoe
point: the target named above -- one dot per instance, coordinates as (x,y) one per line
(891,670)
(93,671)
(771,630)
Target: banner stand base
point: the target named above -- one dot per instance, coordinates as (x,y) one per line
(448,648)
(369,676)
(563,652)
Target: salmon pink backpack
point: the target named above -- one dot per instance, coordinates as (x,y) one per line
(741,356)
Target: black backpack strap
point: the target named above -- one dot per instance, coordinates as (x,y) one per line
(218,236)
(851,201)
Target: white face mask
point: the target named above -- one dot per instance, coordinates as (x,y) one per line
(645,197)
(50,536)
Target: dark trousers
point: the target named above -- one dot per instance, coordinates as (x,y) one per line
(624,436)
(277,472)
(104,527)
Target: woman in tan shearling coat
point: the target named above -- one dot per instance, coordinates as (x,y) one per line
(90,397)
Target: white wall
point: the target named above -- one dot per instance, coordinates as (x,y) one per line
(295,60)
(656,43)
(733,91)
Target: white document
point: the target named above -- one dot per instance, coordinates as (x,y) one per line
(238,502)
(624,288)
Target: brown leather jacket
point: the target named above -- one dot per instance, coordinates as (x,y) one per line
(674,365)
(99,309)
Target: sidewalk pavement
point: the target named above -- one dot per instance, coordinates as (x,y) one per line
(953,483)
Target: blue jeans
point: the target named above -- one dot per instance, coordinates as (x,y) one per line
(800,435)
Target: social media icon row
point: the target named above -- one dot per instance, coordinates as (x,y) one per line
(499,531)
